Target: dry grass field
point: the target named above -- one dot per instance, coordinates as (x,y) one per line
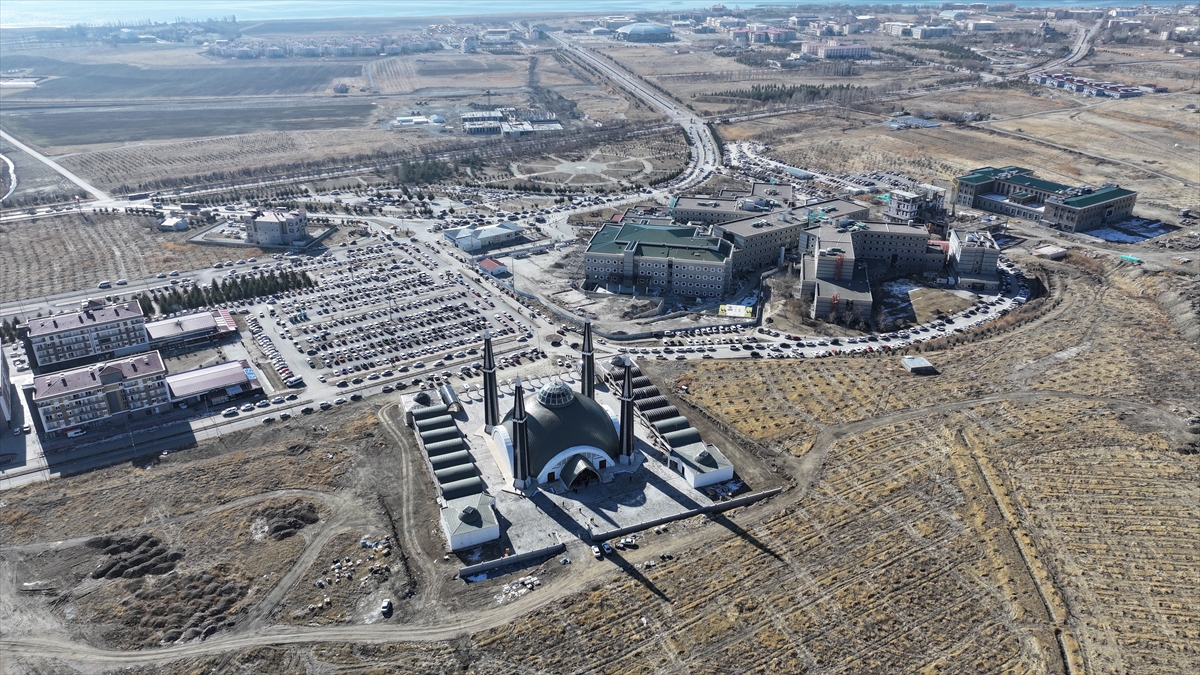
(36,182)
(1153,132)
(427,73)
(1153,141)
(937,154)
(108,167)
(61,253)
(1025,511)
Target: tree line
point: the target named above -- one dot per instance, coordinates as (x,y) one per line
(793,93)
(230,289)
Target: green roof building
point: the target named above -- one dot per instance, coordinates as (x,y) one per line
(636,258)
(1014,191)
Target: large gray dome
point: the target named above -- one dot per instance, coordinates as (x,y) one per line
(581,421)
(644,29)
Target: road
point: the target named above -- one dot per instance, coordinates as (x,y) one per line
(95,193)
(704,157)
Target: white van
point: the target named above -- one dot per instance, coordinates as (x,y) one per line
(76,432)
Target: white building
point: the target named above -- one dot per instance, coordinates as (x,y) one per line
(701,464)
(975,255)
(277,228)
(470,521)
(475,237)
(97,330)
(78,398)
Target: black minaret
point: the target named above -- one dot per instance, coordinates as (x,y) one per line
(520,438)
(627,413)
(587,384)
(491,394)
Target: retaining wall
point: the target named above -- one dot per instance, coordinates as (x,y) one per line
(471,570)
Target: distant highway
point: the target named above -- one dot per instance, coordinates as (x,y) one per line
(705,159)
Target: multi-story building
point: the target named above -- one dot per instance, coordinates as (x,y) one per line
(1014,191)
(78,398)
(923,203)
(731,204)
(277,228)
(974,256)
(763,241)
(928,32)
(96,331)
(6,395)
(664,259)
(1082,209)
(833,49)
(843,260)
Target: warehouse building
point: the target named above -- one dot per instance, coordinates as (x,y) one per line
(644,32)
(214,385)
(475,237)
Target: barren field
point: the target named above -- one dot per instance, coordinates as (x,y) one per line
(144,162)
(36,182)
(1151,133)
(937,154)
(141,55)
(63,252)
(1022,511)
(1138,64)
(122,81)
(417,72)
(69,127)
(1154,132)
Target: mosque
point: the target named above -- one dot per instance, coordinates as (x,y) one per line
(557,439)
(553,440)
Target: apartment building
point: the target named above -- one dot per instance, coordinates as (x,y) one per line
(81,397)
(96,331)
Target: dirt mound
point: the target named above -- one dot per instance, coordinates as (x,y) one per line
(133,557)
(284,521)
(177,608)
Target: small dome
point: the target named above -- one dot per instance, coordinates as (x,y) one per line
(555,395)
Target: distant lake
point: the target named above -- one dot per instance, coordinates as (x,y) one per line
(26,13)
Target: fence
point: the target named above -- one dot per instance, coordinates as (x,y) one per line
(472,570)
(714,508)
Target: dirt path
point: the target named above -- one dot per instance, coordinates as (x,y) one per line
(97,194)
